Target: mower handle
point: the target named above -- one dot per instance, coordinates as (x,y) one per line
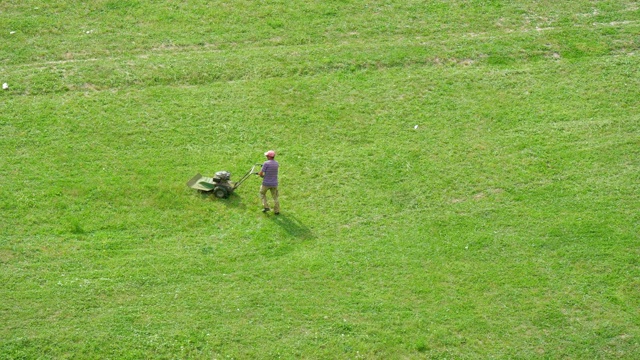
(246,176)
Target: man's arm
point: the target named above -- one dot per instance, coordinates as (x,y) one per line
(261,172)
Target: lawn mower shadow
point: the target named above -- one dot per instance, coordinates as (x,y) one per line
(233,201)
(293,226)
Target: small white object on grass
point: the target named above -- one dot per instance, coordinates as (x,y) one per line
(415,127)
(12,32)
(5,86)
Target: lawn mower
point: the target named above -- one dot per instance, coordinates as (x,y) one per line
(220,183)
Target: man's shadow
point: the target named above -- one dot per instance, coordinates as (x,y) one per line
(293,226)
(289,223)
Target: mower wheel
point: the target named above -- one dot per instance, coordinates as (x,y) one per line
(220,192)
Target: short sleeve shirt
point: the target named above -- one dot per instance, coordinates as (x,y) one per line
(270,169)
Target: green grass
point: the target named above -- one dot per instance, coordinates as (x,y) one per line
(504,226)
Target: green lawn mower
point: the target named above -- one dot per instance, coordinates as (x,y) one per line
(220,184)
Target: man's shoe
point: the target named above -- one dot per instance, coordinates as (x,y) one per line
(265,210)
(277,213)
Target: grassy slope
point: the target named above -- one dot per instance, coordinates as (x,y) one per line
(505,225)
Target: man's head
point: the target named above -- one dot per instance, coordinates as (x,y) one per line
(270,154)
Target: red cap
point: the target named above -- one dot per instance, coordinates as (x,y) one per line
(270,153)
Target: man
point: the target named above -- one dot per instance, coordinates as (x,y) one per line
(269,174)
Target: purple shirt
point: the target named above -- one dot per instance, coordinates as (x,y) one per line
(270,169)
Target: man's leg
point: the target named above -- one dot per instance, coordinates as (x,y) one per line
(276,203)
(263,196)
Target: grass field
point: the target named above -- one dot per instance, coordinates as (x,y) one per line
(459,179)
